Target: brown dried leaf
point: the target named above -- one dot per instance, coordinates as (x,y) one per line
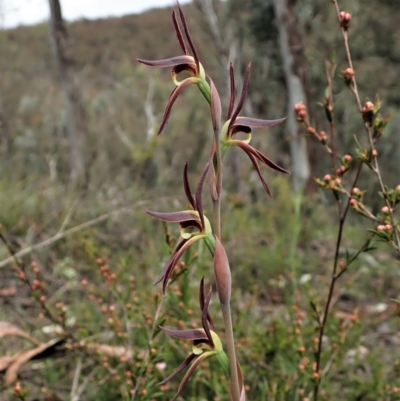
(8,329)
(111,350)
(25,356)
(5,362)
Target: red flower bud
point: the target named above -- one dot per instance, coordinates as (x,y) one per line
(323,136)
(345,18)
(368,107)
(348,75)
(301,111)
(368,112)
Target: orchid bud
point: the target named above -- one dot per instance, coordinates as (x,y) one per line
(222,273)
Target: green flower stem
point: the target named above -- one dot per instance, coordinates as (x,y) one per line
(226,308)
(230,342)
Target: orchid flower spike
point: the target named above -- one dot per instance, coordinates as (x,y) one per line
(186,62)
(236,124)
(194,225)
(205,342)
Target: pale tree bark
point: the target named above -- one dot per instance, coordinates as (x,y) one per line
(294,64)
(75,112)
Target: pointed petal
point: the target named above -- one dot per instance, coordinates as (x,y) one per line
(189,373)
(204,319)
(179,369)
(232,86)
(257,167)
(242,96)
(188,37)
(178,32)
(175,217)
(168,62)
(194,334)
(175,258)
(216,109)
(186,185)
(177,249)
(202,301)
(174,95)
(264,159)
(257,123)
(199,190)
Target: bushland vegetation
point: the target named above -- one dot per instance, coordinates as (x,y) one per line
(314,290)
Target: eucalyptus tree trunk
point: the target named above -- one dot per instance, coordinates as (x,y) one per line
(75,113)
(295,67)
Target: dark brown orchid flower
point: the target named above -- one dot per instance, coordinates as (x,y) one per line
(236,124)
(205,343)
(193,224)
(187,63)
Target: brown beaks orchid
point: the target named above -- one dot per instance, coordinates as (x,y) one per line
(236,124)
(194,225)
(188,63)
(205,342)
